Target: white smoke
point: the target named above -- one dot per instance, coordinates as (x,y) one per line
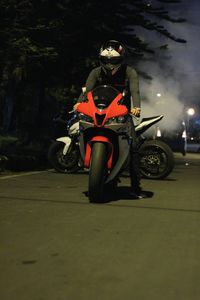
(161,97)
(185,57)
(175,76)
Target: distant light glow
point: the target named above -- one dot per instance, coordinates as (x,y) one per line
(158,95)
(158,133)
(184,135)
(191,111)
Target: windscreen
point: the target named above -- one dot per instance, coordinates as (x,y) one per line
(103,95)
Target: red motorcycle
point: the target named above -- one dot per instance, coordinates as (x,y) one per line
(104,141)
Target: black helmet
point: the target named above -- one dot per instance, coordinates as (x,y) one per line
(111,54)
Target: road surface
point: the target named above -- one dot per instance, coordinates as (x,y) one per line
(55,245)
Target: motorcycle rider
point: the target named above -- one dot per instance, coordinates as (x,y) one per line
(113,71)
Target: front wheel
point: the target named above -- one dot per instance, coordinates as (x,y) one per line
(63,163)
(156,159)
(98,171)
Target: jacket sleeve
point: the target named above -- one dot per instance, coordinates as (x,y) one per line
(90,83)
(133,80)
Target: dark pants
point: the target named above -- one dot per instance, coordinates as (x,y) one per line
(134,158)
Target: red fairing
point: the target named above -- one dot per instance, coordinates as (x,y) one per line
(113,110)
(88,108)
(99,117)
(102,139)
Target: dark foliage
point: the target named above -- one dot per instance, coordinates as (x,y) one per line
(48,47)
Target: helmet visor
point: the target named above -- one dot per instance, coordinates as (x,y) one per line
(116,60)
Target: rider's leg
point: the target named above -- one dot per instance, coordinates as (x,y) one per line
(134,166)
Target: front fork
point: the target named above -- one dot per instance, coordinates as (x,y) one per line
(88,150)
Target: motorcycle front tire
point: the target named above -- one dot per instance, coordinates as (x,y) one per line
(97,172)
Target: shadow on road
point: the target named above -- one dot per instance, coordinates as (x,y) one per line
(122,193)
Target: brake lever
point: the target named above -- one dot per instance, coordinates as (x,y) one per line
(71,111)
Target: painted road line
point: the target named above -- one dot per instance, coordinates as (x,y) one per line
(24,174)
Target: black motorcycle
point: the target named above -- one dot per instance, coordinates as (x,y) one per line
(156,157)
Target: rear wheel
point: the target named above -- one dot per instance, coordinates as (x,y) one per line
(63,163)
(157,159)
(98,172)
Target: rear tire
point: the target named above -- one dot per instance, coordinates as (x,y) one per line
(63,163)
(98,172)
(157,159)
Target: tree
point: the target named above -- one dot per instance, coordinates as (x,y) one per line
(52,45)
(66,33)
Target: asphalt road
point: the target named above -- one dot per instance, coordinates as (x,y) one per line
(55,245)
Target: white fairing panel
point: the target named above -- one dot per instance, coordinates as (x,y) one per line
(67,141)
(148,122)
(74,128)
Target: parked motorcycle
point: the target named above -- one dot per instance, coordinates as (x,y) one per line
(63,153)
(97,140)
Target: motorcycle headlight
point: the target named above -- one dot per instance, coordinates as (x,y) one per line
(116,120)
(85,118)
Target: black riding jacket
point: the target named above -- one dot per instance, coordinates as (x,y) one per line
(125,78)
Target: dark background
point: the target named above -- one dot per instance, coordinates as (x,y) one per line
(48,48)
